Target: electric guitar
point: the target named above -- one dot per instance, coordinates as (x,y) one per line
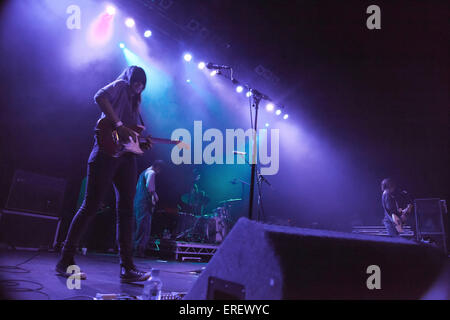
(398,220)
(109,142)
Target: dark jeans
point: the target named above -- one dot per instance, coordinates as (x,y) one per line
(390,227)
(143,227)
(102,171)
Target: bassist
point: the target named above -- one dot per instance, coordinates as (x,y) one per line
(119,102)
(396,207)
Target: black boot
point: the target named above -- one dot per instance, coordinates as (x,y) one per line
(64,263)
(130,273)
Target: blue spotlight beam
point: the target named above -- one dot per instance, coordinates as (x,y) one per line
(255,98)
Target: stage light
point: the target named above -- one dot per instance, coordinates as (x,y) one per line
(278,112)
(122,45)
(270,107)
(285,116)
(213,73)
(110,10)
(147,34)
(248,94)
(201,65)
(239,89)
(267,124)
(187,57)
(188,80)
(129,23)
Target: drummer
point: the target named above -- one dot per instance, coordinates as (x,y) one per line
(196,199)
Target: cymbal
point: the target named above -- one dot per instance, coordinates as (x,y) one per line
(194,199)
(230,201)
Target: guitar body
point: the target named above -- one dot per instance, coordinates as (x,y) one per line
(398,221)
(109,142)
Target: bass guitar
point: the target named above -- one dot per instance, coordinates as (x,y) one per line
(109,142)
(399,221)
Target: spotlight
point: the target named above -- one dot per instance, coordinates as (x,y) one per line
(270,107)
(147,34)
(285,116)
(278,112)
(110,10)
(188,80)
(122,45)
(129,23)
(267,124)
(187,57)
(201,65)
(248,94)
(239,89)
(213,73)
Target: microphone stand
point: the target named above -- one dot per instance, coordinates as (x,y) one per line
(260,179)
(256,98)
(255,104)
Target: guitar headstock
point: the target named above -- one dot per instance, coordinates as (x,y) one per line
(183,145)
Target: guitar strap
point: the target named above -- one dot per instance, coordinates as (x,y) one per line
(140,118)
(384,207)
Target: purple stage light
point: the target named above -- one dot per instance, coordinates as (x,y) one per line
(187,57)
(213,73)
(111,10)
(129,22)
(122,45)
(270,107)
(201,65)
(285,116)
(278,112)
(239,89)
(147,34)
(248,94)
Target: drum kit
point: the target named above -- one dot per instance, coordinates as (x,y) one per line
(198,226)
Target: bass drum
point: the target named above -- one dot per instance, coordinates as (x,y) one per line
(217,229)
(184,222)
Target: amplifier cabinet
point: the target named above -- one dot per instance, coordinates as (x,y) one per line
(28,230)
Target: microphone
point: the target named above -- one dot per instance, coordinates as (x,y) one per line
(216,66)
(261,95)
(240,152)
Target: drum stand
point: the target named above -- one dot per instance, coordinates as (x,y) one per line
(189,230)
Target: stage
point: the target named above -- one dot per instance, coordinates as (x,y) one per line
(37,280)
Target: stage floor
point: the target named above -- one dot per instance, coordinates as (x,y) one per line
(37,280)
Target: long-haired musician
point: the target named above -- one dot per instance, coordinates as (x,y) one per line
(119,102)
(395,213)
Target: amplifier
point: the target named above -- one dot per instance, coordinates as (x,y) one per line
(31,192)
(28,230)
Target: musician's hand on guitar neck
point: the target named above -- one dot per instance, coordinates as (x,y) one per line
(148,144)
(155,198)
(125,133)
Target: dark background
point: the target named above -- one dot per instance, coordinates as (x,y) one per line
(370,103)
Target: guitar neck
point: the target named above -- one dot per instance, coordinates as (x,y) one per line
(163,140)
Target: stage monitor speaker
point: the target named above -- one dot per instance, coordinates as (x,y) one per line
(268,262)
(31,192)
(429,215)
(432,220)
(28,230)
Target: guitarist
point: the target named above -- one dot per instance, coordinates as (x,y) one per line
(394,215)
(119,102)
(144,206)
